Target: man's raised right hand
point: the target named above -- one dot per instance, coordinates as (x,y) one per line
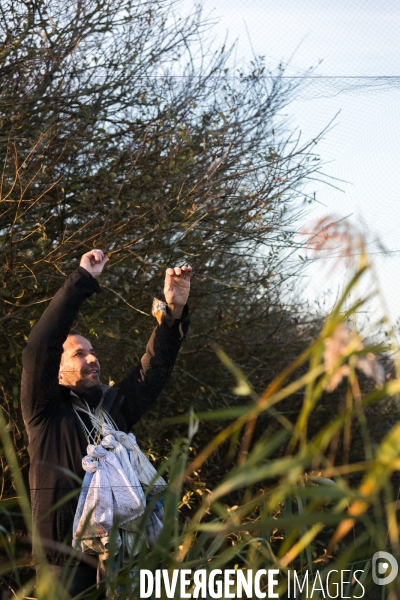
(94,262)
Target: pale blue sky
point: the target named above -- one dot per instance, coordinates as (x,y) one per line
(353,39)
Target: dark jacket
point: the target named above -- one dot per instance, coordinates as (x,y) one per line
(56,440)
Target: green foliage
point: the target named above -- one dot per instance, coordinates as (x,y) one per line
(296,508)
(120,130)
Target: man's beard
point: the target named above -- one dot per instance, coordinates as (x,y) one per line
(85,384)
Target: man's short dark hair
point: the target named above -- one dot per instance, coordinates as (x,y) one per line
(74,332)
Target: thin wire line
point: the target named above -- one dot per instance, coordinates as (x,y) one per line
(314,77)
(341,256)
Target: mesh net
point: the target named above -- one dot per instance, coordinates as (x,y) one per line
(342,55)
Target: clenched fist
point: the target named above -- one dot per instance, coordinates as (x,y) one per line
(176,289)
(94,262)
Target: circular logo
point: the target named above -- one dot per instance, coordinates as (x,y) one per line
(382,567)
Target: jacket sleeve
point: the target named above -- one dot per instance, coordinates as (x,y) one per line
(42,356)
(145,383)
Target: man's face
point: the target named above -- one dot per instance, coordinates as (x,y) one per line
(79,368)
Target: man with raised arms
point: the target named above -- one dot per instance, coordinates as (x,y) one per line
(60,368)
